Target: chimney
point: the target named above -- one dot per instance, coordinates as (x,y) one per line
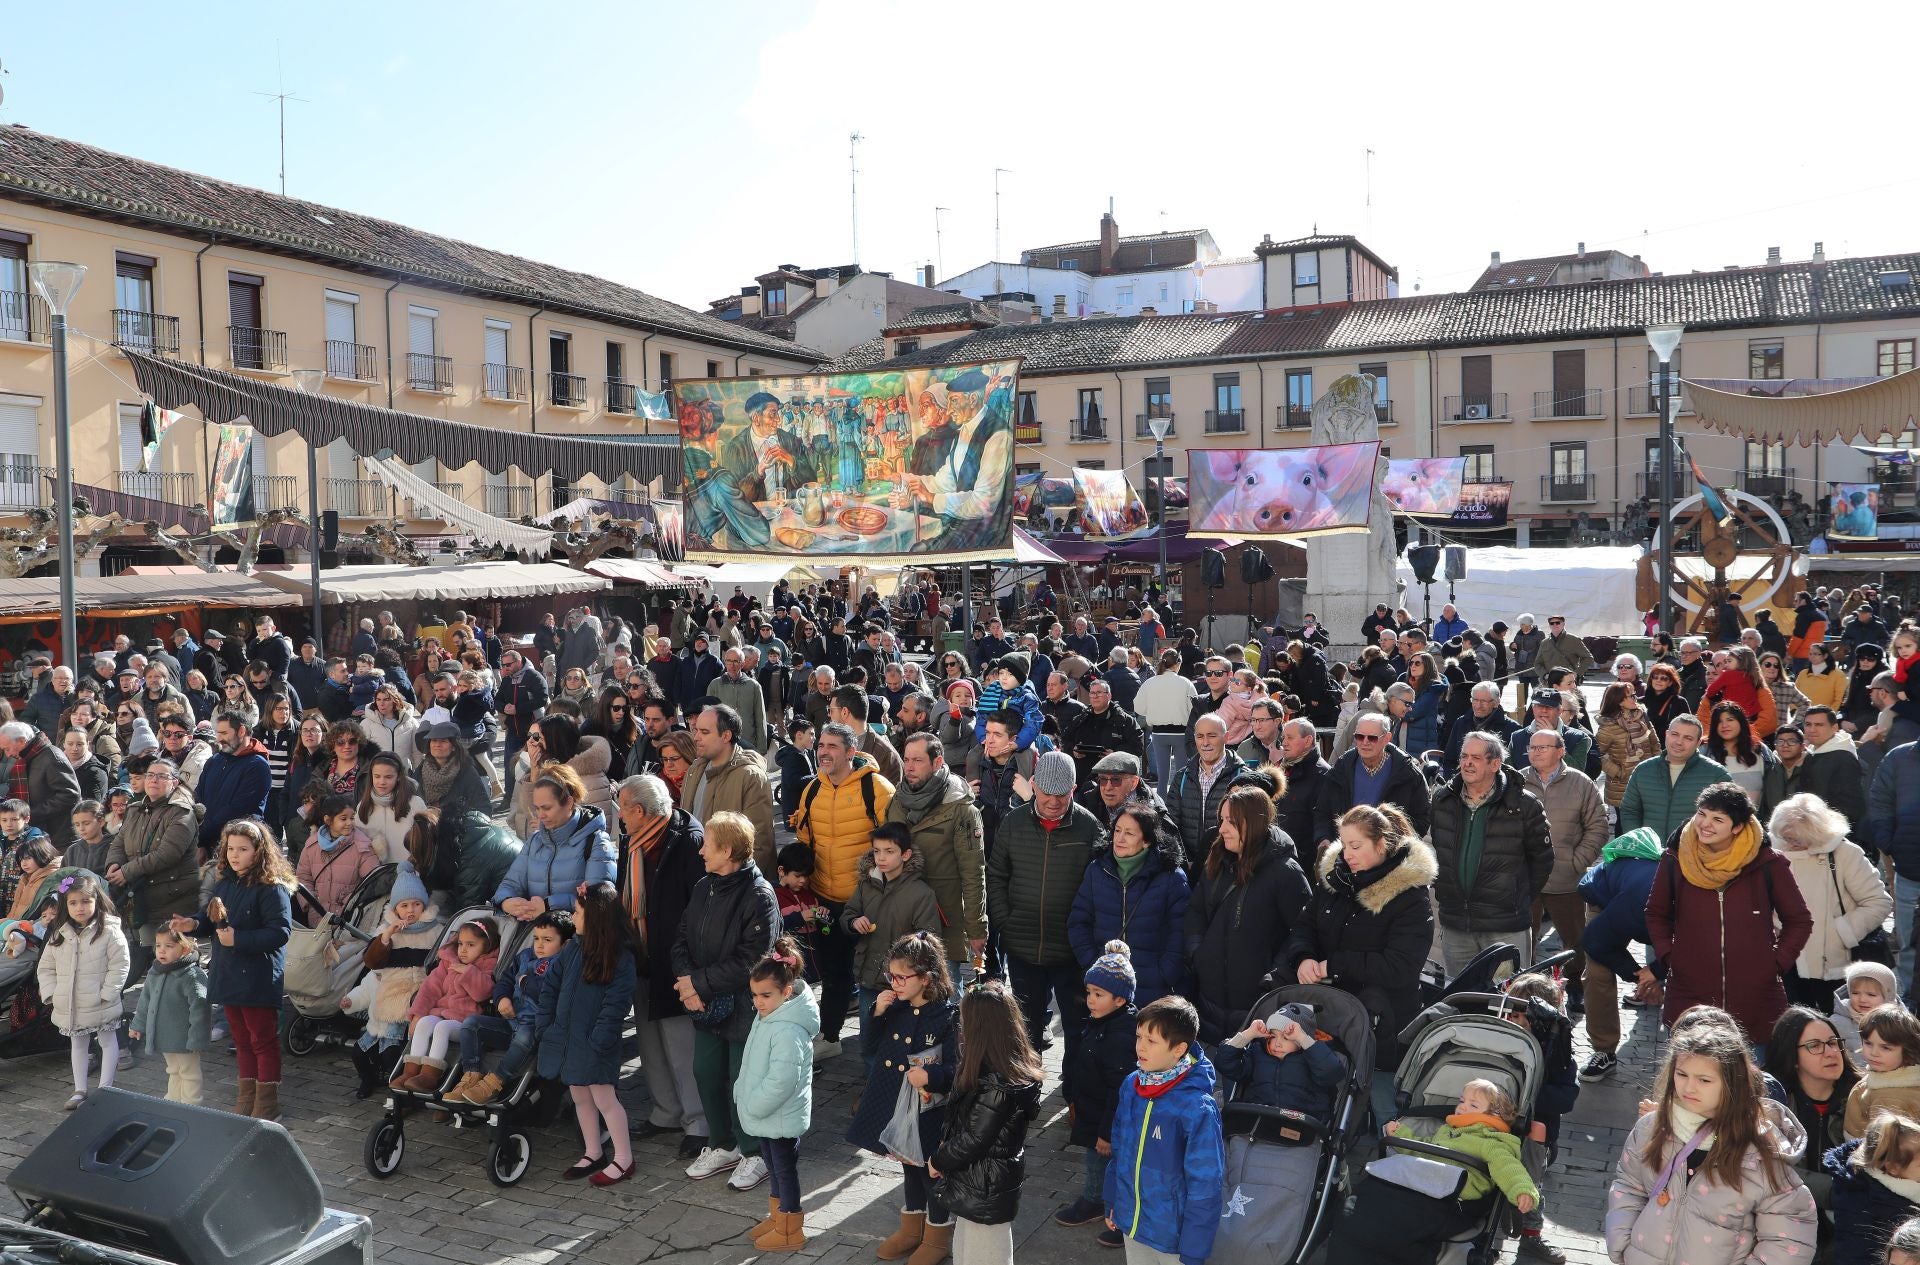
(1059,307)
(1109,242)
(1582,252)
(1496,259)
(926,276)
(1819,252)
(749,300)
(1773,254)
(1149,311)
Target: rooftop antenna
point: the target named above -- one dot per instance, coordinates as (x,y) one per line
(997,173)
(853,156)
(1369,193)
(939,247)
(281,98)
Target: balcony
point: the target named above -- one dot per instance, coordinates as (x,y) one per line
(509,500)
(25,487)
(1566,489)
(1088,430)
(1226,421)
(566,390)
(1647,484)
(1563,405)
(358,498)
(453,491)
(620,396)
(23,317)
(176,488)
(566,493)
(263,350)
(1383,412)
(275,492)
(146,331)
(433,374)
(1766,482)
(1490,406)
(1644,401)
(503,382)
(1142,430)
(353,362)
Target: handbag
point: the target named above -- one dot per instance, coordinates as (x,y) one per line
(1436,1179)
(1876,945)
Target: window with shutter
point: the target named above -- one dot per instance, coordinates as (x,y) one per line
(16,292)
(341,461)
(420,330)
(19,450)
(132,456)
(497,333)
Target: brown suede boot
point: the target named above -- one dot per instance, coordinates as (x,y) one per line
(427,1078)
(243,1100)
(266,1100)
(486,1091)
(934,1248)
(900,1244)
(766,1224)
(409,1068)
(458,1094)
(789,1233)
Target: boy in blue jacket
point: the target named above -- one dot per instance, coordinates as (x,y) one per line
(513,1019)
(1616,887)
(1164,1188)
(1007,687)
(1289,1068)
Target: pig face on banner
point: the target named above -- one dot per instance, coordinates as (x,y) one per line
(1295,490)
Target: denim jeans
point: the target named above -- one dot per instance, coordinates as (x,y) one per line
(490,1032)
(1906,894)
(833,956)
(783,1171)
(1093,1184)
(1164,752)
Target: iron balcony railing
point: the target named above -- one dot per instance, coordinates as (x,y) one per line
(174,487)
(1226,421)
(1549,404)
(1647,483)
(1767,482)
(503,382)
(566,390)
(509,500)
(1142,422)
(1383,412)
(359,498)
(25,487)
(1644,401)
(1475,408)
(356,362)
(146,331)
(23,317)
(1088,430)
(1292,416)
(420,509)
(276,492)
(620,396)
(429,373)
(1566,488)
(262,349)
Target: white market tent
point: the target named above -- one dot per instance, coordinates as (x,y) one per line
(460,582)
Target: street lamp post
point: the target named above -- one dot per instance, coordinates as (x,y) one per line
(1160,426)
(307,382)
(57,283)
(1665,340)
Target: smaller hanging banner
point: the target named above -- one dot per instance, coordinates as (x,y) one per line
(1424,485)
(1481,505)
(654,406)
(1108,504)
(233,475)
(669,531)
(1855,511)
(155,422)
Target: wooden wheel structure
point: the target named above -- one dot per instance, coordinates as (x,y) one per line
(1748,558)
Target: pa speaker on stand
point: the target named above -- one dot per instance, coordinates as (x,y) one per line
(1425,559)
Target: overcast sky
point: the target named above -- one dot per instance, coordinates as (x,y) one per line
(685,151)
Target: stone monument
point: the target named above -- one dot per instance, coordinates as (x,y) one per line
(1347,574)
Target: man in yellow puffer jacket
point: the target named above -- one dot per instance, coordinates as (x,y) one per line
(838,811)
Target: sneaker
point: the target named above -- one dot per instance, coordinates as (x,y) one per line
(1598,1067)
(824,1049)
(751,1171)
(1534,1247)
(1082,1211)
(1110,1238)
(712,1160)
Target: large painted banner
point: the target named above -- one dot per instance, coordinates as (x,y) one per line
(903,465)
(233,474)
(1108,504)
(1267,493)
(1424,485)
(1855,511)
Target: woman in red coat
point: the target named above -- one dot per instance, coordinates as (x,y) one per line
(1711,914)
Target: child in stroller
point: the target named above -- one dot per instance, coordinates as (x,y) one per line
(513,1015)
(1293,1066)
(396,960)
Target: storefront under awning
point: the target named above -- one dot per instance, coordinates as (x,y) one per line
(462,582)
(130,595)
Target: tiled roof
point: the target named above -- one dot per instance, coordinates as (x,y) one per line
(1144,239)
(90,181)
(944,316)
(860,356)
(1537,271)
(1790,294)
(1325,241)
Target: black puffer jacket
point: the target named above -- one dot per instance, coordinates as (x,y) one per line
(1235,935)
(983,1156)
(1373,930)
(1406,789)
(731,923)
(1294,811)
(1033,874)
(1314,688)
(1514,865)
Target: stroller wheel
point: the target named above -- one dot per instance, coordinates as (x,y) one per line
(509,1158)
(302,1036)
(386,1146)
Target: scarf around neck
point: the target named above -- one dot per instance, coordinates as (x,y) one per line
(1154,1084)
(1714,870)
(1685,1124)
(917,803)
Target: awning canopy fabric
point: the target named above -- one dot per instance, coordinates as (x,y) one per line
(464,582)
(1028,550)
(133,592)
(1808,411)
(224,397)
(191,519)
(638,571)
(481,526)
(1181,548)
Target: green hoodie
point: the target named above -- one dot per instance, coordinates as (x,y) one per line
(1498,1148)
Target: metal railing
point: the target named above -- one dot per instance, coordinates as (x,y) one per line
(276,492)
(420,509)
(1767,482)
(1647,483)
(563,493)
(1564,488)
(1087,430)
(1145,431)
(1475,408)
(503,382)
(429,373)
(146,331)
(355,362)
(620,396)
(1583,403)
(174,487)
(1383,412)
(25,487)
(509,500)
(23,317)
(1227,421)
(1292,416)
(566,390)
(262,349)
(359,498)
(1644,401)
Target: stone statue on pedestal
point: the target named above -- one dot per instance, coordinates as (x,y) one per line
(1347,574)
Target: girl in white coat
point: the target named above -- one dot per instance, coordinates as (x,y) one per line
(81,973)
(389,802)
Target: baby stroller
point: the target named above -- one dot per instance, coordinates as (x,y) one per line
(1466,1037)
(26,1020)
(1488,972)
(323,962)
(1286,1171)
(526,1104)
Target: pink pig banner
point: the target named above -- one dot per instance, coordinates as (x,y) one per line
(1281,493)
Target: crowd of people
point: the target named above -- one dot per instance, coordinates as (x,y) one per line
(739,827)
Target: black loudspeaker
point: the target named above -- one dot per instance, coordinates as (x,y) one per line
(186,1184)
(1423,559)
(329,529)
(1254,567)
(1213,568)
(1456,563)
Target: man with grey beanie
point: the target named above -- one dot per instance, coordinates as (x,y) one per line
(1039,855)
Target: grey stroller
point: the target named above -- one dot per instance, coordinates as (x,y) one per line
(1286,1171)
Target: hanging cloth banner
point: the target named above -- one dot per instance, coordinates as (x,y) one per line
(654,406)
(1262,494)
(155,422)
(1855,511)
(483,527)
(233,475)
(1424,485)
(1109,505)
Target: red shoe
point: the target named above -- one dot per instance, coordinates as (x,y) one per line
(601,1179)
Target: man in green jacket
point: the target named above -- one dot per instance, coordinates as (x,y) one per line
(739,690)
(1561,649)
(1662,790)
(936,804)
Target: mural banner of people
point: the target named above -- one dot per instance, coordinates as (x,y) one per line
(1108,504)
(1282,493)
(233,475)
(901,465)
(669,531)
(1424,485)
(1855,511)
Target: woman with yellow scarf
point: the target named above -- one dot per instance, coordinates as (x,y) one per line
(1726,915)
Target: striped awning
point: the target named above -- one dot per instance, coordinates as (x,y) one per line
(223,397)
